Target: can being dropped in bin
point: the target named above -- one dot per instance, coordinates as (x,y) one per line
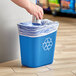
(37,43)
(36,21)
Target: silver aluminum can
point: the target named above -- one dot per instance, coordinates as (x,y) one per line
(37,21)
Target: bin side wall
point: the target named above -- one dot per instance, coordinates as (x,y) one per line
(37,51)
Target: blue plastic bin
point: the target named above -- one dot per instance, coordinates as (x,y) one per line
(37,50)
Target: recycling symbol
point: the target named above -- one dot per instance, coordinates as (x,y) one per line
(47,44)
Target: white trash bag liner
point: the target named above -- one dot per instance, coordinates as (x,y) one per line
(46,27)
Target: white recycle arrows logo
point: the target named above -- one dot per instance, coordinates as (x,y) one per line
(47,45)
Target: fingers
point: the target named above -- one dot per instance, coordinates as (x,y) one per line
(36,15)
(41,10)
(40,13)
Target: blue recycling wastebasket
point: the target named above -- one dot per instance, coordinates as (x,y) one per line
(37,43)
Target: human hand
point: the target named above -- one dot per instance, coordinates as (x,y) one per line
(35,10)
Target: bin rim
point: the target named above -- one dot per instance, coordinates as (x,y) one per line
(36,26)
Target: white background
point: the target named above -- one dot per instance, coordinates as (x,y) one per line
(10,16)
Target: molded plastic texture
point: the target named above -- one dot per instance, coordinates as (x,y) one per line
(37,51)
(37,43)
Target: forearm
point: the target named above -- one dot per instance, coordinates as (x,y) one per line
(31,8)
(22,3)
